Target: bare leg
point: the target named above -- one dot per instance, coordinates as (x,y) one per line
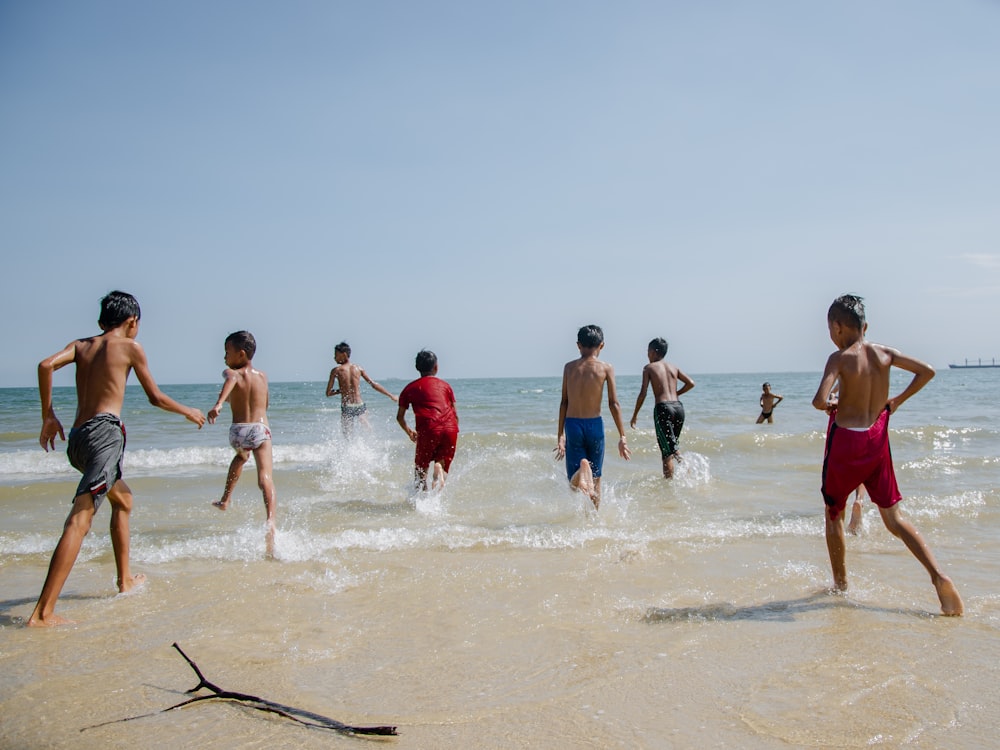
(420,477)
(349,423)
(854,525)
(583,480)
(836,545)
(951,602)
(235,470)
(68,548)
(265,469)
(439,476)
(668,466)
(120,499)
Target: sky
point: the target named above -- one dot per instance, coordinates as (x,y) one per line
(483,178)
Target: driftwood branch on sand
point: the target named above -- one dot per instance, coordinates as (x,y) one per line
(298,715)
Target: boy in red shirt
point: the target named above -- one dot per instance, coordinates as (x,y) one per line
(436,435)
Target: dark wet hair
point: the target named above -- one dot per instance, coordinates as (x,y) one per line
(848,309)
(116,308)
(343,348)
(659,345)
(243,340)
(425,361)
(766,385)
(590,336)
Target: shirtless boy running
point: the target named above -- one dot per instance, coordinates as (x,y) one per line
(97,440)
(668,413)
(581,428)
(857,442)
(347,376)
(246,391)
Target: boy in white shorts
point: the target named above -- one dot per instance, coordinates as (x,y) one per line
(246,391)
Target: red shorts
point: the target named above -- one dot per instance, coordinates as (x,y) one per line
(855,457)
(437,447)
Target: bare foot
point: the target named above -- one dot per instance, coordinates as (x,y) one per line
(583,480)
(48,622)
(951,602)
(437,481)
(220,505)
(854,525)
(131,582)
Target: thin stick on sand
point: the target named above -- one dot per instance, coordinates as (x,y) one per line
(298,715)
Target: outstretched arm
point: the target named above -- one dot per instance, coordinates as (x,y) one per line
(227,388)
(51,426)
(377,387)
(157,397)
(922,374)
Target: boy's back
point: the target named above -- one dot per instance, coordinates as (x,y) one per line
(433,402)
(663,378)
(249,398)
(348,377)
(584,380)
(863,371)
(102,367)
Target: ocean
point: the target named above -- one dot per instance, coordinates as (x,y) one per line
(504,612)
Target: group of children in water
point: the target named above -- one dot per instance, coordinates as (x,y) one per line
(854,391)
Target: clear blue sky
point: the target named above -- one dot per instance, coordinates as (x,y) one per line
(483,178)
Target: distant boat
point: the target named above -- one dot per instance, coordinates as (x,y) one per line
(979,363)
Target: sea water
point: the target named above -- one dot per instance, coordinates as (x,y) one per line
(503,611)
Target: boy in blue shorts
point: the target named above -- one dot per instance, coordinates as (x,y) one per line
(581,427)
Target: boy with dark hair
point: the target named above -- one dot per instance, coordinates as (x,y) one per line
(245,388)
(348,378)
(97,439)
(436,420)
(580,433)
(857,441)
(668,412)
(768,401)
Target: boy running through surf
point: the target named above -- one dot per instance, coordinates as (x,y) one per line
(97,440)
(245,388)
(580,436)
(347,377)
(857,442)
(668,412)
(436,436)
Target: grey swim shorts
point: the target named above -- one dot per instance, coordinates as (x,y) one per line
(96,448)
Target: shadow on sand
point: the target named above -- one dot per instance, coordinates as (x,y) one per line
(8,620)
(778,611)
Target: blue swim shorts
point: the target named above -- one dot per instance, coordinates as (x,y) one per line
(584,440)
